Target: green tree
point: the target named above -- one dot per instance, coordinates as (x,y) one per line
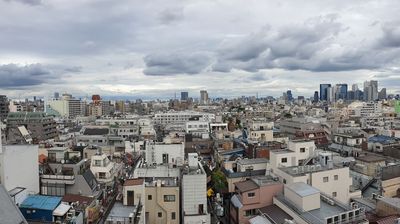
(219,180)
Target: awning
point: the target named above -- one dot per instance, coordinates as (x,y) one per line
(61,210)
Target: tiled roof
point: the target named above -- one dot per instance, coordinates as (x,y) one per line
(133,182)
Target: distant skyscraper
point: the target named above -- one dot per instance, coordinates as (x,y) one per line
(315,97)
(370,90)
(323,94)
(354,87)
(184,96)
(56,95)
(382,94)
(203,97)
(289,95)
(330,94)
(341,91)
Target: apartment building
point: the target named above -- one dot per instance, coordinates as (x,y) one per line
(252,195)
(161,153)
(260,130)
(181,117)
(104,170)
(194,193)
(40,126)
(3,107)
(162,196)
(307,204)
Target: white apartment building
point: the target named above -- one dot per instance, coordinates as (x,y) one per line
(67,107)
(365,109)
(261,131)
(198,128)
(103,169)
(194,194)
(292,166)
(161,153)
(181,117)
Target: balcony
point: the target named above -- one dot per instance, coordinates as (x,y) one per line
(58,179)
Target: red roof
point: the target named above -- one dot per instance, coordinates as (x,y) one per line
(42,158)
(133,182)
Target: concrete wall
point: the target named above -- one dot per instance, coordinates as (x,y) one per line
(20,167)
(194,193)
(157,204)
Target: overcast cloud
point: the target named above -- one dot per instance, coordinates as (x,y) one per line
(154,48)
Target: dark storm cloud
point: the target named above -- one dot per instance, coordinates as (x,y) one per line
(170,15)
(175,63)
(28,2)
(391,35)
(13,75)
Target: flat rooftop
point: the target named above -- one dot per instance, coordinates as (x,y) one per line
(120,211)
(252,161)
(370,158)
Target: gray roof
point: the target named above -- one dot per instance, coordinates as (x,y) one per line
(236,201)
(252,161)
(10,213)
(302,189)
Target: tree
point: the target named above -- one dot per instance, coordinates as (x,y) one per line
(219,180)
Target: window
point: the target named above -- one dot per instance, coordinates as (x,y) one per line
(250,212)
(102,175)
(169,198)
(173,215)
(159,214)
(251,194)
(336,177)
(97,163)
(149,197)
(334,194)
(284,181)
(284,160)
(325,179)
(302,150)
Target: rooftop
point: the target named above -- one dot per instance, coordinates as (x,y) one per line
(370,158)
(41,202)
(10,214)
(302,189)
(133,182)
(247,185)
(120,211)
(252,161)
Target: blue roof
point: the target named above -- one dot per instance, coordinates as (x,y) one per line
(41,202)
(383,139)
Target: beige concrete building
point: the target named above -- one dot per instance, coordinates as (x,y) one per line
(162,201)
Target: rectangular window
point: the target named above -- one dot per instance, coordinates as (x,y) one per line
(302,150)
(336,177)
(173,215)
(149,197)
(284,160)
(97,163)
(250,212)
(325,179)
(334,194)
(159,214)
(102,175)
(169,198)
(251,194)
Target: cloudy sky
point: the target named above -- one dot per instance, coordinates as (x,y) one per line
(153,48)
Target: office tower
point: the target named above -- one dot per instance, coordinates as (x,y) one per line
(330,94)
(184,96)
(341,91)
(3,107)
(323,94)
(370,90)
(289,95)
(56,95)
(382,94)
(316,97)
(351,95)
(203,97)
(354,87)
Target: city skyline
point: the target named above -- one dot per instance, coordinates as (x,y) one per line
(151,49)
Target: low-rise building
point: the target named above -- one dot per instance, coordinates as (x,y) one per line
(251,195)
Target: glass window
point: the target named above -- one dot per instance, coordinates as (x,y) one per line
(169,198)
(149,197)
(251,194)
(325,179)
(334,194)
(284,160)
(160,214)
(336,177)
(173,215)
